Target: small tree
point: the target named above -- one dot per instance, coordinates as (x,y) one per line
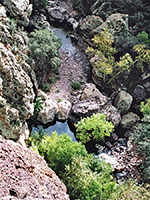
(95,128)
(44,47)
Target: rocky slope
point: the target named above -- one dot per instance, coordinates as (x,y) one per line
(25,175)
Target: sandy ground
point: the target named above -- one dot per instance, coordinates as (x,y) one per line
(70,71)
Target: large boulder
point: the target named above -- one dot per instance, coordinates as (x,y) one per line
(116,23)
(48,112)
(25,175)
(123,101)
(57,14)
(64,108)
(129,120)
(88,24)
(19,8)
(94,104)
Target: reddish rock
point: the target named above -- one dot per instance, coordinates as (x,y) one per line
(25,174)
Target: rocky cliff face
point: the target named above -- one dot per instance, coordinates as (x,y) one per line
(25,175)
(16,86)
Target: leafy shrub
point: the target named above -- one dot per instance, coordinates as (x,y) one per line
(145,108)
(44,47)
(95,128)
(141,139)
(39,4)
(78,6)
(130,190)
(45,87)
(75,85)
(85,177)
(84,184)
(38,106)
(143,38)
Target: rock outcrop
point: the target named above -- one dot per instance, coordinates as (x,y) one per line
(16,80)
(94,103)
(25,175)
(123,101)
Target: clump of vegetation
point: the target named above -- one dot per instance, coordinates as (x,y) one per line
(38,106)
(94,128)
(75,85)
(78,6)
(45,87)
(143,38)
(104,57)
(85,177)
(40,4)
(145,107)
(43,46)
(58,90)
(130,190)
(59,100)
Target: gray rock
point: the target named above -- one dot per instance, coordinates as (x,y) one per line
(57,14)
(73,22)
(64,108)
(108,159)
(21,9)
(88,24)
(129,120)
(123,102)
(95,104)
(116,23)
(48,112)
(139,93)
(90,90)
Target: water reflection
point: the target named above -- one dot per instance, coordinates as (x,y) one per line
(59,127)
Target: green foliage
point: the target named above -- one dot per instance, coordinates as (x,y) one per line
(45,87)
(143,38)
(143,55)
(44,47)
(12,24)
(95,128)
(85,177)
(104,57)
(40,4)
(78,6)
(145,108)
(84,184)
(141,139)
(38,106)
(130,190)
(75,85)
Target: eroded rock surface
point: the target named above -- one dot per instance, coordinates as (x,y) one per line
(25,175)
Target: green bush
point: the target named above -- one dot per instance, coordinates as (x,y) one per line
(78,6)
(39,4)
(85,177)
(145,108)
(84,184)
(143,38)
(94,128)
(130,190)
(38,106)
(75,85)
(44,47)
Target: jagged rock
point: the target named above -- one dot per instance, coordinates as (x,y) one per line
(73,22)
(40,22)
(101,9)
(57,13)
(139,93)
(25,175)
(2,12)
(48,112)
(96,104)
(17,94)
(123,101)
(116,23)
(64,108)
(90,90)
(129,120)
(88,24)
(108,159)
(24,134)
(21,9)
